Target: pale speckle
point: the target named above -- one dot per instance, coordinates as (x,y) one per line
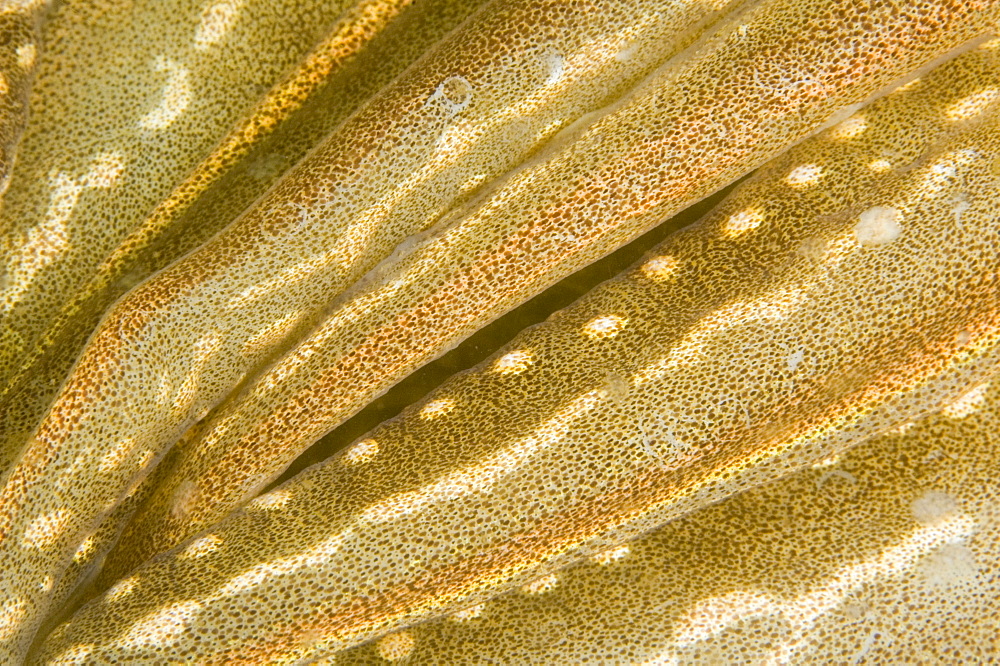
(437,408)
(933,507)
(201,547)
(968,403)
(878,226)
(741,222)
(949,565)
(660,268)
(466,614)
(513,363)
(804,176)
(46,529)
(541,585)
(396,646)
(362,452)
(601,328)
(972,105)
(607,557)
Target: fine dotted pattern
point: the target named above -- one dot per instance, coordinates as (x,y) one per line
(129,96)
(370,44)
(541,105)
(720,363)
(885,554)
(543,222)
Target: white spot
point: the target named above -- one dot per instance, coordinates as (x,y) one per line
(116,455)
(626,52)
(795,359)
(609,556)
(437,408)
(26,54)
(880,166)
(541,585)
(879,225)
(660,268)
(803,176)
(216,21)
(121,589)
(46,529)
(555,66)
(201,547)
(601,328)
(740,223)
(968,403)
(396,646)
(85,550)
(176,95)
(271,501)
(972,105)
(466,614)
(161,626)
(361,452)
(455,93)
(851,128)
(513,363)
(105,169)
(933,507)
(951,564)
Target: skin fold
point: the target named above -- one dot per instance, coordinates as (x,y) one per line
(846,299)
(886,554)
(548,218)
(371,43)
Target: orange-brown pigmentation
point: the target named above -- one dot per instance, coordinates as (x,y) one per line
(823,303)
(675,140)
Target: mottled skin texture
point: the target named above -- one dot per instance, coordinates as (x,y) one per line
(886,554)
(420,156)
(310,101)
(820,283)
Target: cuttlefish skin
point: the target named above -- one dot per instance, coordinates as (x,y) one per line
(819,284)
(547,219)
(364,50)
(884,555)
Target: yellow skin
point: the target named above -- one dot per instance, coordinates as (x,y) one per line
(567,207)
(886,553)
(820,282)
(306,105)
(137,346)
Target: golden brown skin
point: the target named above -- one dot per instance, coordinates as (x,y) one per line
(369,45)
(828,300)
(884,555)
(546,220)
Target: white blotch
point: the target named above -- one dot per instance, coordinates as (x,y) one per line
(176,95)
(803,176)
(394,647)
(601,328)
(105,170)
(794,359)
(201,547)
(362,452)
(851,128)
(555,67)
(972,105)
(959,205)
(660,268)
(117,454)
(437,408)
(216,20)
(276,499)
(161,626)
(880,166)
(991,44)
(609,556)
(85,550)
(541,585)
(933,507)
(878,225)
(46,529)
(12,613)
(741,222)
(951,564)
(466,614)
(968,403)
(627,52)
(121,589)
(513,363)
(26,55)
(4,84)
(455,93)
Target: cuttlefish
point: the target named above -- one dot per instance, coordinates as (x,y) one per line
(806,314)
